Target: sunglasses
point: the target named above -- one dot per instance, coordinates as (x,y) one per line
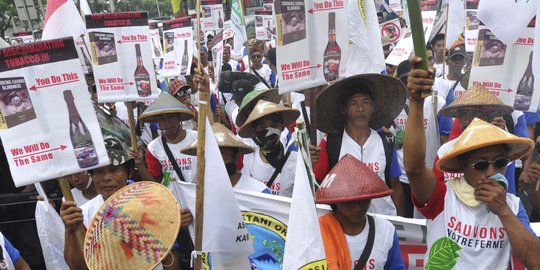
(484,164)
(182,93)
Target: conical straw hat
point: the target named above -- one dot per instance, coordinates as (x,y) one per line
(134,229)
(166,104)
(477,97)
(481,134)
(262,109)
(225,138)
(351,180)
(251,99)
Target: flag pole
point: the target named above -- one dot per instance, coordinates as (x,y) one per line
(417,29)
(201,139)
(66,191)
(131,116)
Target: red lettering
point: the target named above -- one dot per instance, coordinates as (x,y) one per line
(467,230)
(451,223)
(501,232)
(458,227)
(483,232)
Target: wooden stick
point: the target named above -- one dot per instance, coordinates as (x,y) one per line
(131,116)
(66,190)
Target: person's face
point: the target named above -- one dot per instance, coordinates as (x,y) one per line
(204,58)
(390,69)
(430,58)
(386,50)
(256,58)
(228,154)
(492,153)
(359,108)
(169,122)
(110,179)
(353,212)
(439,47)
(79,180)
(456,63)
(268,127)
(226,56)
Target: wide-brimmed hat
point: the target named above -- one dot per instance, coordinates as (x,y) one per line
(225,139)
(251,99)
(134,229)
(166,104)
(262,109)
(477,97)
(389,96)
(351,180)
(481,134)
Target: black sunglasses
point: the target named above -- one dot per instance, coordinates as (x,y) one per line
(484,164)
(182,93)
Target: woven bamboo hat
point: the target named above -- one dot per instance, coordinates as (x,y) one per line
(481,134)
(262,109)
(166,104)
(388,94)
(480,98)
(251,99)
(134,229)
(351,180)
(225,138)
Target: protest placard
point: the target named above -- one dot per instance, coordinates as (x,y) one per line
(21,37)
(217,54)
(265,28)
(178,44)
(471,25)
(84,55)
(395,5)
(212,16)
(43,90)
(157,49)
(121,56)
(391,30)
(514,83)
(305,58)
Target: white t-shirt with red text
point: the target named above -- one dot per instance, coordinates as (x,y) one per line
(372,154)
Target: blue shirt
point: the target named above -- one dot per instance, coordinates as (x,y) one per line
(394,259)
(12,251)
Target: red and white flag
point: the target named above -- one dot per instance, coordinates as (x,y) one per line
(62,19)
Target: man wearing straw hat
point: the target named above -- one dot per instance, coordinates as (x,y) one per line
(349,234)
(231,147)
(350,111)
(273,162)
(472,217)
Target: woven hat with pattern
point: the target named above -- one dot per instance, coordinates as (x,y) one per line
(481,134)
(134,229)
(249,101)
(262,109)
(176,86)
(225,139)
(477,97)
(388,93)
(166,104)
(351,180)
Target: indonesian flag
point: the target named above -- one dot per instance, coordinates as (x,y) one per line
(62,19)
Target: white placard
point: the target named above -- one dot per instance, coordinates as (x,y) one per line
(212,16)
(178,44)
(265,27)
(21,38)
(155,40)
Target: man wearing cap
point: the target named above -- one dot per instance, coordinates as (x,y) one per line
(455,63)
(183,92)
(471,215)
(273,161)
(349,111)
(231,147)
(349,234)
(256,65)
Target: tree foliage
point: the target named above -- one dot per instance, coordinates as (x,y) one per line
(7,13)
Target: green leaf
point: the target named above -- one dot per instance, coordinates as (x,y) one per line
(443,254)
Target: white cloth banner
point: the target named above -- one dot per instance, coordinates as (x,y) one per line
(52,128)
(239,26)
(179,48)
(507,19)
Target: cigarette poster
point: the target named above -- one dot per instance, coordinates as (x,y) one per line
(514,83)
(21,38)
(471,25)
(265,28)
(155,39)
(405,46)
(391,29)
(212,17)
(43,90)
(178,44)
(121,54)
(305,59)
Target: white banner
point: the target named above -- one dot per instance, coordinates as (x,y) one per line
(52,128)
(155,39)
(178,44)
(305,57)
(265,27)
(405,46)
(121,56)
(472,23)
(212,17)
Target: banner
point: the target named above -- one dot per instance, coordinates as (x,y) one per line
(21,38)
(43,90)
(212,17)
(217,54)
(391,30)
(121,55)
(455,24)
(405,46)
(305,58)
(471,25)
(178,46)
(514,83)
(239,25)
(155,39)
(265,28)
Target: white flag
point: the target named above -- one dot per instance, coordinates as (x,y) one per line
(456,21)
(304,247)
(85,7)
(62,20)
(238,25)
(365,51)
(507,19)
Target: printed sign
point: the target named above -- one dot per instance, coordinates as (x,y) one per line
(21,38)
(217,54)
(395,5)
(471,25)
(84,55)
(212,17)
(157,50)
(391,30)
(178,44)
(121,56)
(265,28)
(305,59)
(43,90)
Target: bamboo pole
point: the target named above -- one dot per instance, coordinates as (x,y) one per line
(66,190)
(417,29)
(131,116)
